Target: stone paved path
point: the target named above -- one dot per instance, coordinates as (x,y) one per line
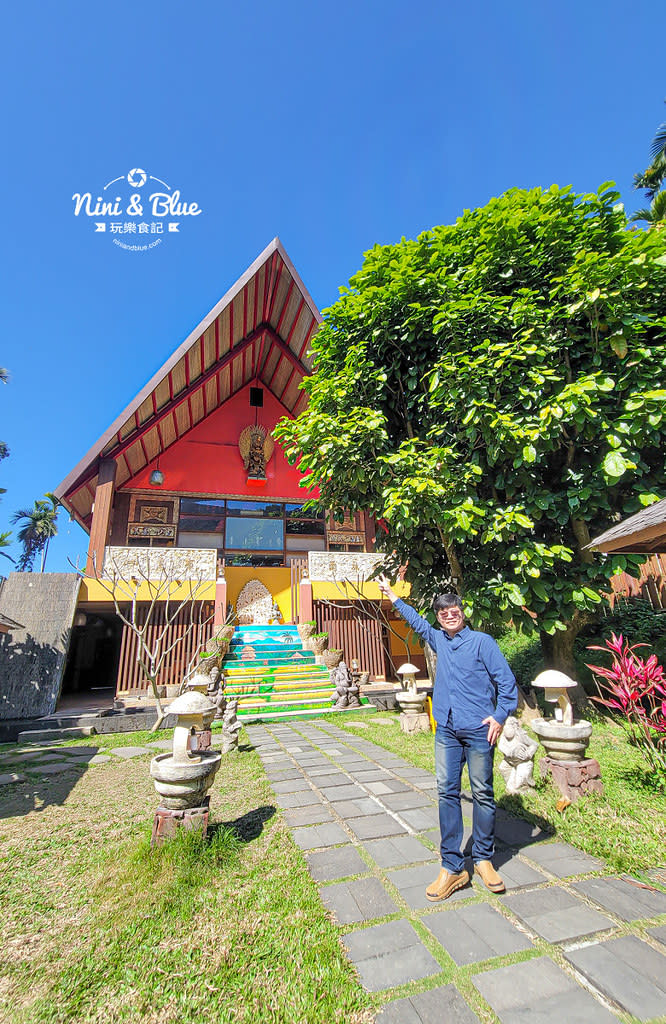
(568,941)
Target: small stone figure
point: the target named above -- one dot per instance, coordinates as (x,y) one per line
(346,688)
(256,462)
(230,726)
(518,751)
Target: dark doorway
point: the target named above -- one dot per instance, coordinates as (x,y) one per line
(92,660)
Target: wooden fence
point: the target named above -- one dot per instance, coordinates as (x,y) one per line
(651,583)
(181,640)
(355,630)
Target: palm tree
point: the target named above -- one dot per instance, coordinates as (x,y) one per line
(655,213)
(653,177)
(39,525)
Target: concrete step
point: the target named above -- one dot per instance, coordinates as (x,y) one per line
(276,716)
(40,735)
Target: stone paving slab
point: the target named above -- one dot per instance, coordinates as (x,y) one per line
(628,971)
(412,883)
(406,801)
(128,752)
(476,932)
(297,799)
(315,836)
(100,759)
(376,826)
(659,934)
(563,860)
(362,900)
(421,819)
(538,990)
(628,900)
(515,873)
(397,851)
(291,786)
(160,744)
(389,954)
(57,768)
(517,832)
(8,778)
(344,792)
(380,786)
(331,779)
(373,775)
(556,915)
(355,808)
(443,1005)
(339,862)
(312,814)
(283,774)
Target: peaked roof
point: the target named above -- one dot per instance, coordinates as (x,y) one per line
(643,532)
(259,331)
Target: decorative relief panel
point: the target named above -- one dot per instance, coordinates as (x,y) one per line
(336,566)
(160,563)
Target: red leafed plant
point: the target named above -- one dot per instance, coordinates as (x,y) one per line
(635,687)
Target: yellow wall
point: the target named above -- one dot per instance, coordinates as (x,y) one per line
(276,580)
(95,590)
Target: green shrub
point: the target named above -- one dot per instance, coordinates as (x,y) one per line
(524,654)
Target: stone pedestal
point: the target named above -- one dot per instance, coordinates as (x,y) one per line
(167,822)
(413,717)
(574,778)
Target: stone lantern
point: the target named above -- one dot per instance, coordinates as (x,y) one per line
(182,778)
(565,740)
(413,716)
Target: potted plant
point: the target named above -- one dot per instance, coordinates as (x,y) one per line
(306,629)
(331,658)
(318,642)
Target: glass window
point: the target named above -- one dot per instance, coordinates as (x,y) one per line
(236,558)
(263,509)
(312,526)
(201,506)
(254,534)
(202,524)
(296,512)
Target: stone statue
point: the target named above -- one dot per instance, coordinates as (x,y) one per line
(230,726)
(346,688)
(518,751)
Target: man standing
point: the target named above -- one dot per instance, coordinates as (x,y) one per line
(474,693)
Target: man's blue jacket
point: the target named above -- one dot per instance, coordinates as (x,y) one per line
(473,680)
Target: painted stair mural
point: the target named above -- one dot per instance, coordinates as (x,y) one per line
(273,676)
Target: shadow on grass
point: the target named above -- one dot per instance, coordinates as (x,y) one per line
(38,791)
(248,827)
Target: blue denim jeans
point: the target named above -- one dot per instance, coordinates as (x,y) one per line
(454,748)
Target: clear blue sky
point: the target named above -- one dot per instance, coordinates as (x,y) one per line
(334,126)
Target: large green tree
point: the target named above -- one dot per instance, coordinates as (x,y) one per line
(652,180)
(493,392)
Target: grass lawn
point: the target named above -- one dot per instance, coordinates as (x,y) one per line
(96,928)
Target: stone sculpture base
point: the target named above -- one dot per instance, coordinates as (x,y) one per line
(412,723)
(573,778)
(167,822)
(204,739)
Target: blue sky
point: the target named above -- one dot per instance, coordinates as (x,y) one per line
(334,126)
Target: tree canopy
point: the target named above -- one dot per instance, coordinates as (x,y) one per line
(492,393)
(39,525)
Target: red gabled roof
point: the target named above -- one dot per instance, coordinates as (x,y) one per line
(260,330)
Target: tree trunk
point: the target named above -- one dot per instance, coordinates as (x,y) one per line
(558,652)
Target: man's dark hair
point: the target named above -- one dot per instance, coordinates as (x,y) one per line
(446,601)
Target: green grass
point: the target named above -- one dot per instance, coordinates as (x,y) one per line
(99,928)
(626,826)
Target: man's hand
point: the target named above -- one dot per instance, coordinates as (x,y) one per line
(494,730)
(386,589)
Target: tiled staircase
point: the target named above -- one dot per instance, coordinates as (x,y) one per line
(274,677)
